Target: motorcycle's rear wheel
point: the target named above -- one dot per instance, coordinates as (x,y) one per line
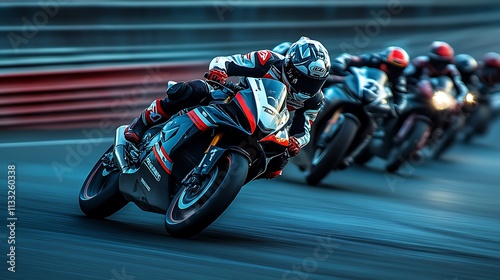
(100,195)
(191,211)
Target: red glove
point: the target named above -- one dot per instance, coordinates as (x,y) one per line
(217,75)
(293,146)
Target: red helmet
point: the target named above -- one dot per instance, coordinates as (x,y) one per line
(396,56)
(492,59)
(441,54)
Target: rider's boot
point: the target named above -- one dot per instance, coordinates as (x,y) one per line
(148,118)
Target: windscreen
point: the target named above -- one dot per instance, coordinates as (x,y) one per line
(442,83)
(276,93)
(377,75)
(370,83)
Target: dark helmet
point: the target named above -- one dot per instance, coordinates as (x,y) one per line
(492,59)
(441,54)
(306,67)
(465,63)
(282,48)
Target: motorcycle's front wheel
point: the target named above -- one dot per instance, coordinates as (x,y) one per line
(449,138)
(364,156)
(192,210)
(410,145)
(478,123)
(100,195)
(333,153)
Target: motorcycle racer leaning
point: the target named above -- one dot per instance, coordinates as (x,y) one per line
(393,61)
(439,62)
(489,70)
(468,68)
(303,70)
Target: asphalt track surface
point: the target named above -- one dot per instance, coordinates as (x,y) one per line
(439,220)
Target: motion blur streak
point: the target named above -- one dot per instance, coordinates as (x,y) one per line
(124,32)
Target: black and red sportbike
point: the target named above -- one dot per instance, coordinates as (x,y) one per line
(347,121)
(192,167)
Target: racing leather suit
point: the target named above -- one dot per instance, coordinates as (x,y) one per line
(257,64)
(397,82)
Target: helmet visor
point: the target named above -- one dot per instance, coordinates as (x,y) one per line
(301,82)
(439,64)
(394,71)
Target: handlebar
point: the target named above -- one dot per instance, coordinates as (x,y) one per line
(228,86)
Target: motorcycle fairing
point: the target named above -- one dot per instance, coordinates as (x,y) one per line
(279,138)
(443,83)
(142,185)
(335,95)
(372,85)
(146,186)
(149,185)
(263,104)
(367,86)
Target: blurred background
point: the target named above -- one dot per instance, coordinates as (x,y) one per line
(63,62)
(70,71)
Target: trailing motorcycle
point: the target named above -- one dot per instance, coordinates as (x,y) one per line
(192,167)
(399,140)
(446,114)
(346,121)
(478,114)
(431,118)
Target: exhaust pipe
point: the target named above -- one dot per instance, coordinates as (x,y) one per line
(119,149)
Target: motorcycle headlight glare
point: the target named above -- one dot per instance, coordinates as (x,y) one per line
(469,98)
(442,101)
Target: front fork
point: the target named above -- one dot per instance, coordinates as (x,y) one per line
(210,157)
(404,130)
(330,128)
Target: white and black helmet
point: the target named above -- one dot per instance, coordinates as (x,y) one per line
(306,67)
